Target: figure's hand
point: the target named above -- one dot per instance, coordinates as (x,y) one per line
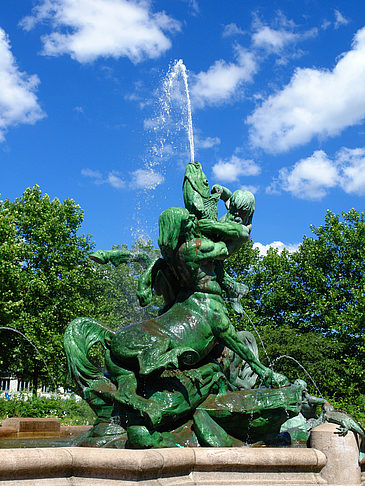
(99,257)
(270,378)
(194,375)
(217,188)
(241,289)
(236,305)
(206,225)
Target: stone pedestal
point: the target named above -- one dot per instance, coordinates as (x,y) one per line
(342,453)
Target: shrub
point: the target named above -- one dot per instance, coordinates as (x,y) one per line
(69,411)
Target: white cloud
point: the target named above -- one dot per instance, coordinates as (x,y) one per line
(313,177)
(88,29)
(94,174)
(340,19)
(351,164)
(140,179)
(232,30)
(273,40)
(146,179)
(314,103)
(194,6)
(18,102)
(325,24)
(222,80)
(206,143)
(113,178)
(231,170)
(279,245)
(149,123)
(251,188)
(309,178)
(280,38)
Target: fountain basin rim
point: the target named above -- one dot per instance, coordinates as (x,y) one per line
(152,463)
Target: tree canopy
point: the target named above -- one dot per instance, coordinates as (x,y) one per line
(310,304)
(46,280)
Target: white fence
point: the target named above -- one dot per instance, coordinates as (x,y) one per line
(11,387)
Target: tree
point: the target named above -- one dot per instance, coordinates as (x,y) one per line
(46,280)
(119,287)
(311,304)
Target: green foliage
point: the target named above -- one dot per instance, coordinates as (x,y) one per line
(120,305)
(355,406)
(69,411)
(46,280)
(311,305)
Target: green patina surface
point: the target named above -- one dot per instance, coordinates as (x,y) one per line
(186,377)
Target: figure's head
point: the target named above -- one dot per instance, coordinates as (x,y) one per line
(175,224)
(241,207)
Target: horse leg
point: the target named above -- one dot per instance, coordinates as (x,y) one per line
(126,392)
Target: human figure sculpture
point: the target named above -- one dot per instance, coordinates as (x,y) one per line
(161,372)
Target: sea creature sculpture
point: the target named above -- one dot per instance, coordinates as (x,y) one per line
(345,422)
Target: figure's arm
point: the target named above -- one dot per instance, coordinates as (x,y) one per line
(224,193)
(205,249)
(223,230)
(227,334)
(145,284)
(117,257)
(231,233)
(228,284)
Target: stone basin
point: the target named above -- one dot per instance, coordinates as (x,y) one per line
(330,460)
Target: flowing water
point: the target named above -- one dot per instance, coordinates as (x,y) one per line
(12,329)
(169,148)
(177,72)
(297,362)
(173,115)
(36,442)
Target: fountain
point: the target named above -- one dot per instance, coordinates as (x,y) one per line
(176,401)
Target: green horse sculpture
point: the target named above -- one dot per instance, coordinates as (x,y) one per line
(185,377)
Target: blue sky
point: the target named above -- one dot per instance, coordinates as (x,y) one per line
(278,105)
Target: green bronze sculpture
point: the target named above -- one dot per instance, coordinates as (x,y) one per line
(187,376)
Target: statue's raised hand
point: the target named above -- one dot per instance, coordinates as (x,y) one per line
(270,378)
(217,188)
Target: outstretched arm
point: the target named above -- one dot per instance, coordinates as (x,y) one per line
(117,257)
(227,334)
(144,289)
